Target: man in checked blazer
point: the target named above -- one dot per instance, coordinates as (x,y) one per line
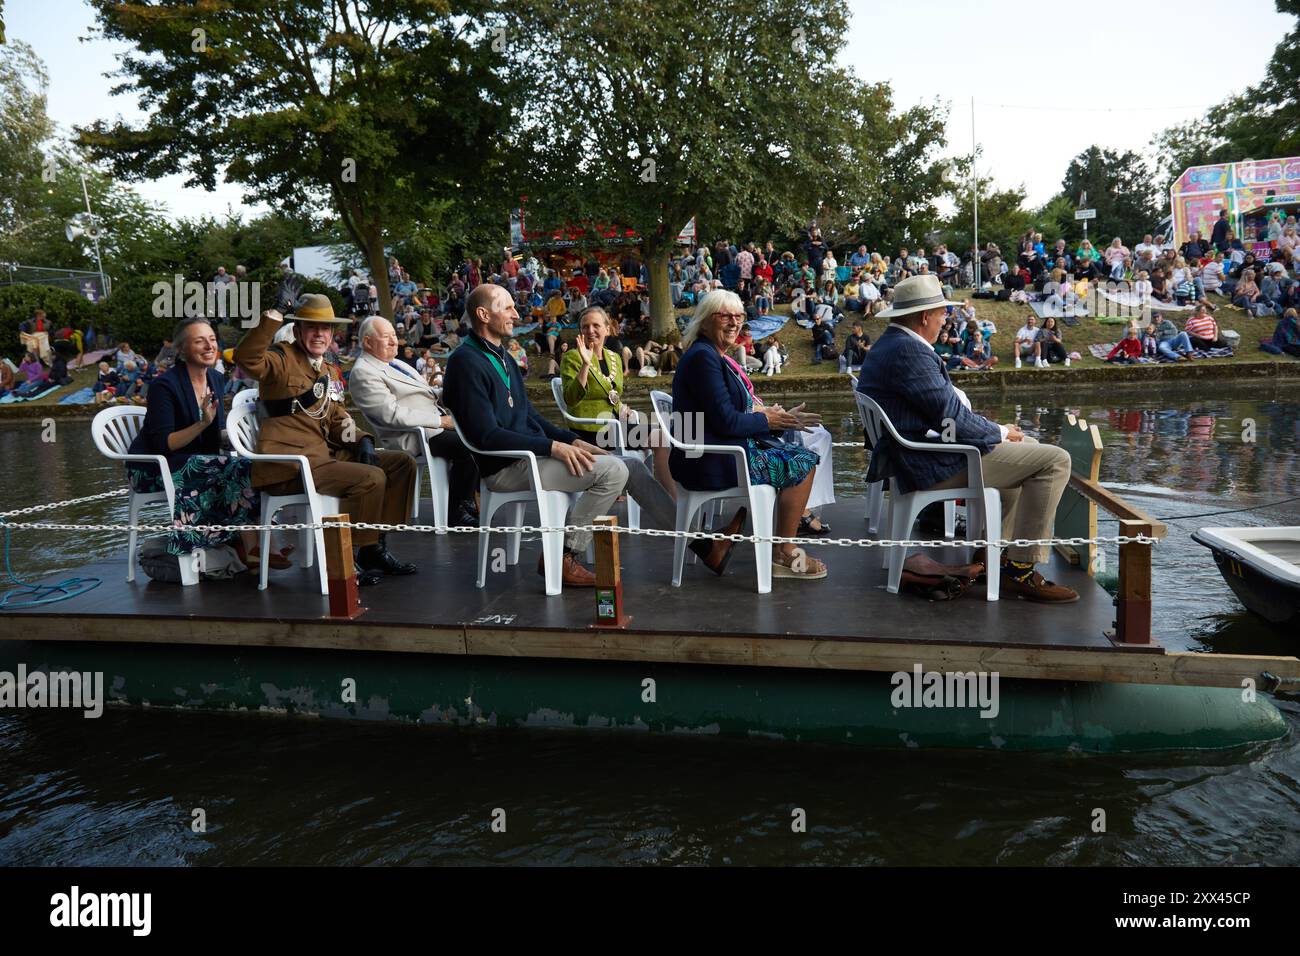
(393,395)
(909,381)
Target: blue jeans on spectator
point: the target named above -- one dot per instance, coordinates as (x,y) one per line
(1170,348)
(855,305)
(1117,270)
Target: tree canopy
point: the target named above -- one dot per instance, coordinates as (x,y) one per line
(1260,123)
(388,107)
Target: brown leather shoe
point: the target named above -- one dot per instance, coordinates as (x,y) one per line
(573,573)
(716,555)
(1037,588)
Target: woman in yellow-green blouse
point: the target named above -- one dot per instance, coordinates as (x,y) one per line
(593,388)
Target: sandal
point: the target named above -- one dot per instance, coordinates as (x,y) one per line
(806,528)
(799,566)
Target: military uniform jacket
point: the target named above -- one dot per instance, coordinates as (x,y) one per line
(320,428)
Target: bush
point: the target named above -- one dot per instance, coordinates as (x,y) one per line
(62,307)
(128,314)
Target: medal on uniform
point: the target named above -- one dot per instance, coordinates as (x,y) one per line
(318,390)
(613,398)
(510,400)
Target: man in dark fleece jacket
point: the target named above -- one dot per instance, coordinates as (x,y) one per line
(485,391)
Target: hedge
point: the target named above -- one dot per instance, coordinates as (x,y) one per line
(19,302)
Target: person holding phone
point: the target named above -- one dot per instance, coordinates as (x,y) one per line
(185,423)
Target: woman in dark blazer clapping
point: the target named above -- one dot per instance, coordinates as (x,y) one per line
(184,423)
(712,387)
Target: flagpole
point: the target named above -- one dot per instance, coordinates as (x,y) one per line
(975,198)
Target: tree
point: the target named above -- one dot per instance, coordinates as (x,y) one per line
(661,111)
(1002,218)
(386,107)
(1259,123)
(1120,186)
(24,128)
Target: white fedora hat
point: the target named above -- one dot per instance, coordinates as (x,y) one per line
(916,294)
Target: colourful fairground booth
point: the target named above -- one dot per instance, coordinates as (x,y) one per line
(1251,191)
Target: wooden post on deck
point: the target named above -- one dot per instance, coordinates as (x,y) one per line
(1133,603)
(609,578)
(341,575)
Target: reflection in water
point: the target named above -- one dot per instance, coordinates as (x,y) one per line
(284,791)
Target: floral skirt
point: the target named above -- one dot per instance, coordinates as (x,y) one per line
(210,490)
(779,464)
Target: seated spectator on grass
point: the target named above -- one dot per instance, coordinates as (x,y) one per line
(1246,295)
(1052,346)
(977,354)
(746,352)
(7,381)
(1013,285)
(1193,250)
(1127,350)
(823,340)
(1203,330)
(1060,294)
(35,377)
(856,346)
(1286,337)
(1170,343)
(1160,290)
(773,356)
(123,355)
(1116,255)
(1270,290)
(1027,344)
(1212,274)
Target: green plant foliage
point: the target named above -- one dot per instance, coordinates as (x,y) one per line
(19,302)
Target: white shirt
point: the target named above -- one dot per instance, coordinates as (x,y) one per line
(1026,334)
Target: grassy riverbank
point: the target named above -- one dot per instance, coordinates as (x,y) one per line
(802,376)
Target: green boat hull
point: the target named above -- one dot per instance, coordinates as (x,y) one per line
(830,707)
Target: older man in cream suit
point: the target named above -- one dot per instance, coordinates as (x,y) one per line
(393,395)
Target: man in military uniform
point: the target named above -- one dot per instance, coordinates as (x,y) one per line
(301,404)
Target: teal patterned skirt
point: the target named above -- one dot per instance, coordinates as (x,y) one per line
(778,463)
(210,490)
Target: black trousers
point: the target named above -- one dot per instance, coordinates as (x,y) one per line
(463,472)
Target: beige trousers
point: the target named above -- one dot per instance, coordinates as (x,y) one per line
(600,487)
(1031,478)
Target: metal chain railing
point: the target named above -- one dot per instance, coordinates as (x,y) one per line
(569,528)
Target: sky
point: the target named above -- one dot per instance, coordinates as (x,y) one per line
(1022,71)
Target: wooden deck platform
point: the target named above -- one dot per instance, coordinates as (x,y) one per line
(846,621)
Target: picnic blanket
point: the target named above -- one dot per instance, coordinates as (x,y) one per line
(766,325)
(1134,301)
(1040,309)
(82,396)
(1101,351)
(89,358)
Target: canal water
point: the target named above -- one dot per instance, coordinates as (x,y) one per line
(121,790)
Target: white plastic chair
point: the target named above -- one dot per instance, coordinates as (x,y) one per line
(437,468)
(113,430)
(245,396)
(983,505)
(617,431)
(875,489)
(761,499)
(243,427)
(552,507)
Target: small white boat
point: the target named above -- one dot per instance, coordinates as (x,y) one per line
(1261,565)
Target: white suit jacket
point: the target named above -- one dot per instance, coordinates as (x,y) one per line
(390,399)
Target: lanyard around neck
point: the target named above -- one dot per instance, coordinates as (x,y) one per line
(496,363)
